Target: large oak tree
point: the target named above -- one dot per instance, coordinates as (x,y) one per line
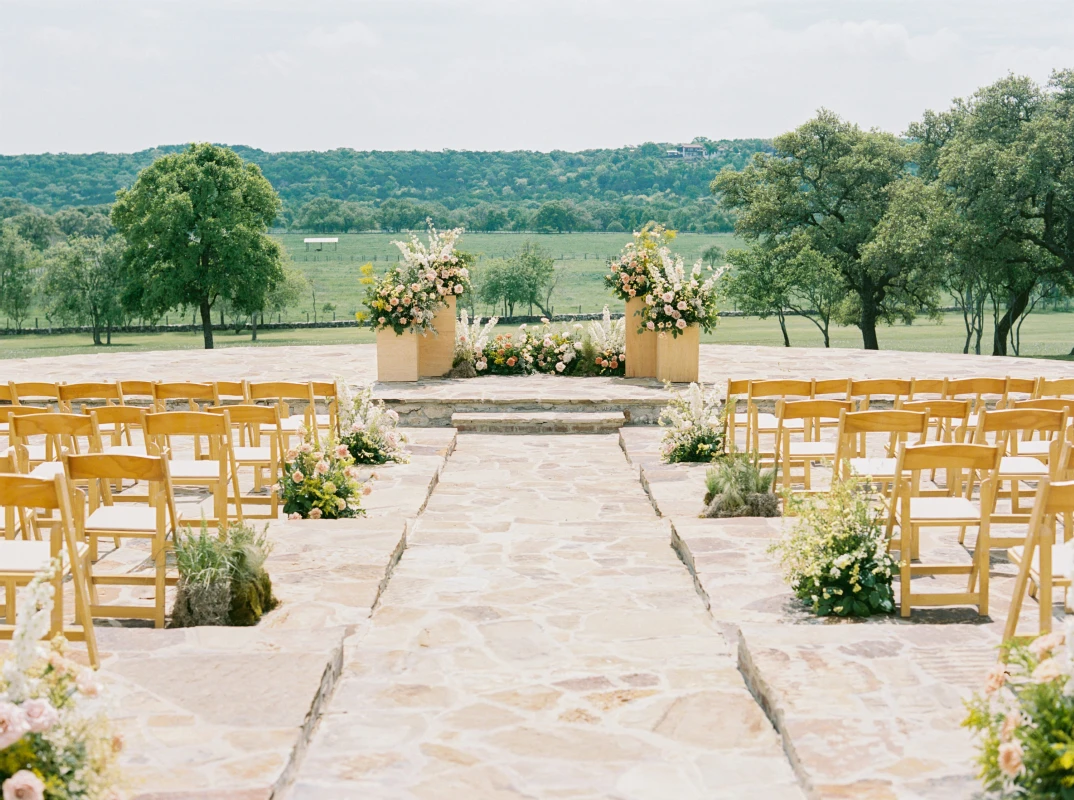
(827,187)
(196,228)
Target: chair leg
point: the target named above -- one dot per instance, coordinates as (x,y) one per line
(904,585)
(161,558)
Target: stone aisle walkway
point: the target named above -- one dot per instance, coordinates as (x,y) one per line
(540,639)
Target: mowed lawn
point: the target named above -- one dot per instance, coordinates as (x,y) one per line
(1048,335)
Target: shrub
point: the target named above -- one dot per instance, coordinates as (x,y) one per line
(321,483)
(738,487)
(835,557)
(222,578)
(696,426)
(369,430)
(1024,719)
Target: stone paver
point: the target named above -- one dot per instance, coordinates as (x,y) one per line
(540,639)
(535,422)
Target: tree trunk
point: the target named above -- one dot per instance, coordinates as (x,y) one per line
(783,327)
(108,333)
(253,327)
(96,330)
(1006,322)
(868,325)
(824,330)
(207,323)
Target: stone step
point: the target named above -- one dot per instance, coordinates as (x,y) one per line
(529,422)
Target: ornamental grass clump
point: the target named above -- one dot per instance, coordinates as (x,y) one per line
(695,426)
(56,743)
(738,487)
(320,481)
(836,556)
(1023,720)
(369,430)
(222,577)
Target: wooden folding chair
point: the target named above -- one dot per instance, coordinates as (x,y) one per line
(7,412)
(810,417)
(328,394)
(1059,388)
(1041,446)
(910,511)
(852,456)
(20,561)
(977,391)
(214,471)
(735,418)
(156,522)
(193,395)
(35,393)
(284,394)
(138,393)
(949,418)
(78,398)
(1039,554)
(1005,427)
(264,454)
(16,523)
(866,391)
(230,392)
(761,423)
(60,432)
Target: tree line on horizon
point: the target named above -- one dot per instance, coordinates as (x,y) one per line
(345,190)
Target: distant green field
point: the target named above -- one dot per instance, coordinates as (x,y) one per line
(1044,335)
(581,257)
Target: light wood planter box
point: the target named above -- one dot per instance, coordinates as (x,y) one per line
(397,356)
(436,352)
(640,347)
(678,358)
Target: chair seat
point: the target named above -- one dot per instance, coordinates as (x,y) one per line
(126,449)
(324,419)
(247,454)
(811,449)
(1022,465)
(943,508)
(35,452)
(288,425)
(47,469)
(28,558)
(769,422)
(1035,447)
(194,470)
(874,467)
(122,518)
(1060,556)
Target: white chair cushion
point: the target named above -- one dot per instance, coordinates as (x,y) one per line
(769,422)
(246,454)
(23,557)
(35,452)
(122,518)
(126,450)
(943,508)
(1035,447)
(812,449)
(194,470)
(873,467)
(1059,557)
(47,469)
(1022,465)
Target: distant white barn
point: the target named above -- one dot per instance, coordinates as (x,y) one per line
(321,241)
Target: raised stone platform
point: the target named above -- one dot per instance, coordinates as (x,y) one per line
(539,422)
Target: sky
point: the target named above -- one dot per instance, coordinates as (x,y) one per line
(123,75)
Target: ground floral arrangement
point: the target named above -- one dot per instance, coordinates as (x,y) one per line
(696,426)
(835,557)
(598,348)
(56,743)
(368,429)
(675,298)
(1024,720)
(408,296)
(320,481)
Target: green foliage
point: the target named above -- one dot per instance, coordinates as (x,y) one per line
(738,487)
(525,278)
(1023,722)
(836,556)
(696,424)
(320,481)
(18,260)
(83,282)
(222,577)
(195,224)
(827,187)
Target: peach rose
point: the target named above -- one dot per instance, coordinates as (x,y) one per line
(315,513)
(1046,671)
(1043,646)
(997,676)
(1010,725)
(13,724)
(40,714)
(87,683)
(24,785)
(1010,759)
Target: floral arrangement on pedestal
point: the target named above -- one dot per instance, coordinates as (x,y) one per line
(408,296)
(836,556)
(677,299)
(1024,720)
(55,741)
(628,274)
(368,429)
(320,481)
(696,426)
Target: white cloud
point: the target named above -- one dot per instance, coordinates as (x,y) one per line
(479,74)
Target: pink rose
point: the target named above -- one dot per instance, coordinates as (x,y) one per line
(367,489)
(1011,723)
(1010,759)
(24,785)
(668,297)
(315,513)
(292,455)
(294,515)
(650,326)
(1042,646)
(40,715)
(342,451)
(1046,671)
(13,724)
(87,683)
(996,677)
(297,476)
(458,288)
(680,324)
(321,468)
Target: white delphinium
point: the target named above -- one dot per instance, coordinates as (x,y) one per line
(32,624)
(695,425)
(608,335)
(369,430)
(471,339)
